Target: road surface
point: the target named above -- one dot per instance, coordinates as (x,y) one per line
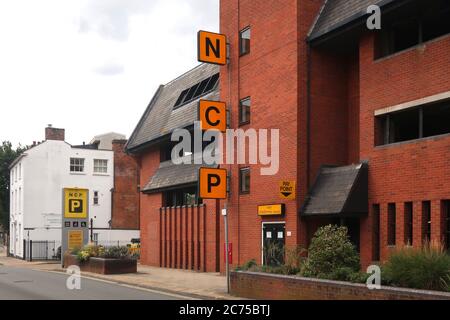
(25,284)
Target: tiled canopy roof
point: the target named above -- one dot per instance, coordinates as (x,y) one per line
(338,191)
(336,13)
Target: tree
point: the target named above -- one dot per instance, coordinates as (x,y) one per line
(7,155)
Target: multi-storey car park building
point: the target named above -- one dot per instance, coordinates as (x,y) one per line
(364,119)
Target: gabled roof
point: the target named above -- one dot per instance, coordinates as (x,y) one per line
(338,191)
(170,176)
(337,13)
(161,118)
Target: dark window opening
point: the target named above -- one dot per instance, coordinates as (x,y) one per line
(408,223)
(426,221)
(181,197)
(436,21)
(244,41)
(436,119)
(376,232)
(244,111)
(244,180)
(199,89)
(391,224)
(166,150)
(421,122)
(446,222)
(429,22)
(212,83)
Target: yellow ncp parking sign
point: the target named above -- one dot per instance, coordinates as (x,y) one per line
(75,203)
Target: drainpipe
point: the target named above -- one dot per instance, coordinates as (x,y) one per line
(308,116)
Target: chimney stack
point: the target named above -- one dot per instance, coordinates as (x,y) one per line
(54,133)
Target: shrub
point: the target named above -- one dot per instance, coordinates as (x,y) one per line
(116,253)
(426,268)
(247,265)
(331,255)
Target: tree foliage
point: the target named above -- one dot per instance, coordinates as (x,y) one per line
(7,155)
(331,255)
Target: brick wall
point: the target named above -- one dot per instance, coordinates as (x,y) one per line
(125,206)
(277,287)
(271,75)
(413,171)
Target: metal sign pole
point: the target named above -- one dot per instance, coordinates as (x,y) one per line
(227,252)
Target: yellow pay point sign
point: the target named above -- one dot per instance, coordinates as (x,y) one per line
(213,115)
(287,190)
(212,183)
(75,203)
(212,48)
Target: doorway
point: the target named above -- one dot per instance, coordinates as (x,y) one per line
(273,243)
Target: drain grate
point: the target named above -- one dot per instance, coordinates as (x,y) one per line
(23,281)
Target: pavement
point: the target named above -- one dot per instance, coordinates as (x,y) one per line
(196,285)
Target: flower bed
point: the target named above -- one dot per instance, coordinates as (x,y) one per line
(98,259)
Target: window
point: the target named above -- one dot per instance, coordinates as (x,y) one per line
(19,201)
(426,221)
(20,171)
(76,165)
(410,124)
(244,111)
(408,223)
(391,224)
(181,197)
(244,180)
(401,34)
(95,198)
(95,238)
(376,232)
(446,222)
(100,166)
(244,41)
(199,89)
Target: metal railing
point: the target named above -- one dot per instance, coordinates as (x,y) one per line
(41,250)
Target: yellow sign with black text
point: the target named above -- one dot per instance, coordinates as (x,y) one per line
(75,239)
(76,203)
(271,210)
(287,190)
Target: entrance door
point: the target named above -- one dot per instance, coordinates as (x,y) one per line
(273,243)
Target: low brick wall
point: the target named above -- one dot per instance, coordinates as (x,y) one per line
(103,266)
(265,286)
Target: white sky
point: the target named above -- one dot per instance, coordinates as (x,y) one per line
(91,66)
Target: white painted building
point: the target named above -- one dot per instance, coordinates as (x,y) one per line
(38,177)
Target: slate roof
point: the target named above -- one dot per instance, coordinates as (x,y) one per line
(338,191)
(160,118)
(337,13)
(170,175)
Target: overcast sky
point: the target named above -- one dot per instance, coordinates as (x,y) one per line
(91,66)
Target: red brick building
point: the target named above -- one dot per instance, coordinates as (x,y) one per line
(364,119)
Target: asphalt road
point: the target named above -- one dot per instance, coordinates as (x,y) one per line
(25,284)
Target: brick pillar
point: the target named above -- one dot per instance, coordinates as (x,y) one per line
(190,223)
(417,224)
(202,246)
(172,236)
(400,225)
(161,245)
(196,238)
(384,252)
(164,237)
(436,222)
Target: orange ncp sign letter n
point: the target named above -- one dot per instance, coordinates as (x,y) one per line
(212,48)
